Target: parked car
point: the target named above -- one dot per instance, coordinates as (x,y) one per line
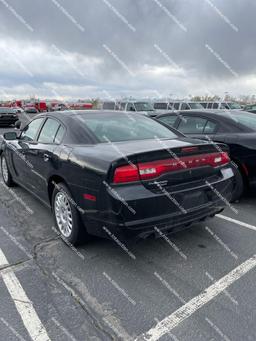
(8,116)
(31,110)
(163,107)
(250,108)
(107,175)
(18,110)
(221,105)
(237,129)
(142,107)
(108,105)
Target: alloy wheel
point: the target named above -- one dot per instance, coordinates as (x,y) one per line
(63,214)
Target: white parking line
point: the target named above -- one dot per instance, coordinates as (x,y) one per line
(185,311)
(24,306)
(248,226)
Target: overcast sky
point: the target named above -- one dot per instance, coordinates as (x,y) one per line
(104,48)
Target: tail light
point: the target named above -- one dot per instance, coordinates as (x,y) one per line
(153,169)
(123,174)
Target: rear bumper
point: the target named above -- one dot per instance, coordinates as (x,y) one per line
(128,217)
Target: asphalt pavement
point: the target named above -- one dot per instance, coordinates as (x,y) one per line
(156,291)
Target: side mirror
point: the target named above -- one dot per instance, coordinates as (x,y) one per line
(11,135)
(17,124)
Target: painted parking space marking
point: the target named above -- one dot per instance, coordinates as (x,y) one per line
(168,323)
(238,222)
(23,305)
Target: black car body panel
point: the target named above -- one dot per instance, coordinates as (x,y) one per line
(240,139)
(134,208)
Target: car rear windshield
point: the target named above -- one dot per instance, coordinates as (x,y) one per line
(246,119)
(121,127)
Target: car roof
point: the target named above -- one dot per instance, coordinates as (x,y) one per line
(72,113)
(206,112)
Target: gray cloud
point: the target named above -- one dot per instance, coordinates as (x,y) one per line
(80,28)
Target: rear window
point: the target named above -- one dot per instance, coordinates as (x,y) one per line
(160,106)
(195,105)
(117,128)
(246,119)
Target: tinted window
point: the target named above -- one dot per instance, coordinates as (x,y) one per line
(209,106)
(119,127)
(210,128)
(160,106)
(130,107)
(195,105)
(176,106)
(204,105)
(215,105)
(170,120)
(225,106)
(143,106)
(233,105)
(185,106)
(108,106)
(49,130)
(30,131)
(59,135)
(192,125)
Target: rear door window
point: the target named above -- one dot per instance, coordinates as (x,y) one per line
(192,125)
(210,127)
(169,120)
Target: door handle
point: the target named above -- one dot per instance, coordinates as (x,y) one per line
(46,157)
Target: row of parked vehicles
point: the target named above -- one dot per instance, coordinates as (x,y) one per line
(161,106)
(107,173)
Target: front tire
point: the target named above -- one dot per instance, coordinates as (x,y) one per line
(6,175)
(66,215)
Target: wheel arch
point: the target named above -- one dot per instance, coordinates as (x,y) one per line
(54,179)
(241,168)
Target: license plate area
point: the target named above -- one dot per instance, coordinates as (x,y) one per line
(191,200)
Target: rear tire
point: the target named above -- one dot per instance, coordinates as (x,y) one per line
(239,183)
(6,175)
(66,216)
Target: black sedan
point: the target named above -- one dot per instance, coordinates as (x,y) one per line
(8,116)
(237,129)
(112,174)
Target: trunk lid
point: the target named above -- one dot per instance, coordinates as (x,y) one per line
(173,165)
